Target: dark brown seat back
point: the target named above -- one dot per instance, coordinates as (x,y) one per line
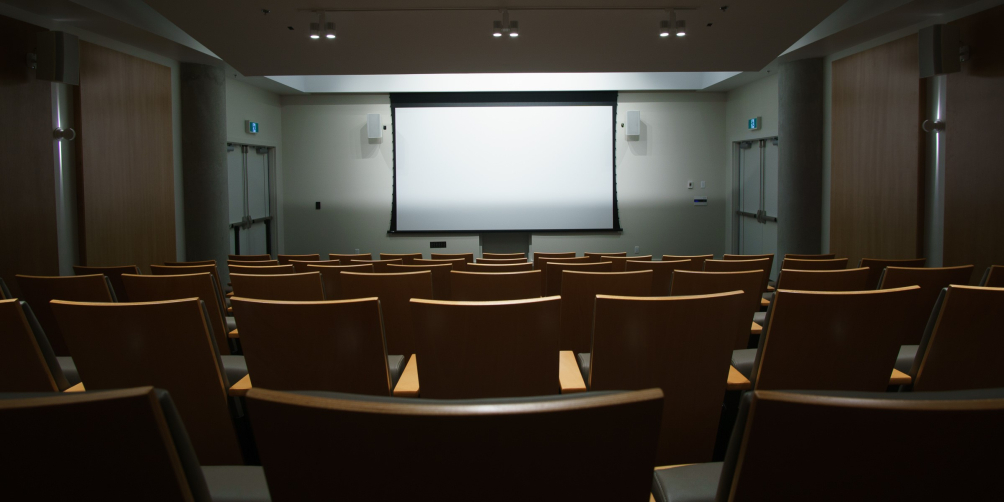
(473,350)
(284,259)
(501,268)
(733,265)
(696,261)
(346,259)
(852,279)
(503,256)
(482,287)
(578,296)
(553,271)
(114,275)
(406,258)
(820,264)
(23,364)
(395,291)
(304,287)
(619,263)
(687,283)
(331,277)
(156,288)
(662,273)
(379,266)
(440,277)
(458,263)
(931,282)
(597,256)
(38,292)
(878,265)
(249,257)
(265,270)
(468,257)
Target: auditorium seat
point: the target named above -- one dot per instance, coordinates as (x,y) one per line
(963,341)
(254,263)
(537,255)
(619,263)
(474,350)
(284,259)
(38,292)
(305,287)
(483,287)
(876,266)
(687,283)
(333,346)
(331,276)
(468,257)
(993,277)
(541,264)
(4,291)
(680,344)
(733,264)
(300,266)
(662,273)
(164,344)
(503,256)
(852,279)
(440,277)
(114,275)
(851,446)
(597,256)
(810,256)
(154,288)
(191,269)
(188,263)
(502,268)
(249,257)
(394,290)
(578,296)
(125,444)
(459,263)
(379,266)
(820,264)
(405,258)
(500,261)
(596,446)
(346,259)
(931,282)
(27,362)
(553,271)
(696,262)
(264,270)
(831,341)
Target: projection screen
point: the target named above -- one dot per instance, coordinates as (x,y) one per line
(477,162)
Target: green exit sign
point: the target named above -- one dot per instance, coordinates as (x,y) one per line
(754,124)
(251,127)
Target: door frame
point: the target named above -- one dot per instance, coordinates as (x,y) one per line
(272,220)
(737,213)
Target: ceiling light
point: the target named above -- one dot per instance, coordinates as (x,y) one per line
(315,29)
(329,30)
(681,28)
(497,29)
(514,29)
(663,28)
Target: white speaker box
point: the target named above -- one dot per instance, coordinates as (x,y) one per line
(373,129)
(633,123)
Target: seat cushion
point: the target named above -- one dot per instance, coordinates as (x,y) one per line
(231,323)
(235,367)
(743,360)
(768,296)
(396,365)
(904,362)
(583,360)
(236,483)
(69,369)
(687,483)
(760,318)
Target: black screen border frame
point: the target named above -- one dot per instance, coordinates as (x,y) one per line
(471,99)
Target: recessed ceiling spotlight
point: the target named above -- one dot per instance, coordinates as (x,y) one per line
(513,29)
(315,30)
(329,30)
(497,29)
(681,28)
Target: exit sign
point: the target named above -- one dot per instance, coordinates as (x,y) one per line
(251,127)
(754,124)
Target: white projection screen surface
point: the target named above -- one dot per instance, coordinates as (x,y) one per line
(497,168)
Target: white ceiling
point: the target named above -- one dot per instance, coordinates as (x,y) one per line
(599,37)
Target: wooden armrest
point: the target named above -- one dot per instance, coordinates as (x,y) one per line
(233,334)
(764,302)
(407,385)
(76,388)
(240,388)
(756,329)
(568,373)
(770,288)
(230,310)
(230,294)
(737,381)
(899,378)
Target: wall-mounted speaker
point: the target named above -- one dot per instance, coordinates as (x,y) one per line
(373,129)
(58,57)
(939,50)
(633,123)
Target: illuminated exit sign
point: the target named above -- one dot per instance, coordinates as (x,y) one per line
(754,124)
(251,127)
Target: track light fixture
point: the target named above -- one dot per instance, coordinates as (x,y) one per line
(675,26)
(663,28)
(681,28)
(505,27)
(316,27)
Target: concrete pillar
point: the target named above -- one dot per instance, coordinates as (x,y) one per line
(800,157)
(204,163)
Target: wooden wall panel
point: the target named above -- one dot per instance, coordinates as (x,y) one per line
(27,172)
(125,160)
(974,161)
(876,183)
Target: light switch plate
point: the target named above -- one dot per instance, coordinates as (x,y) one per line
(357,251)
(637,249)
(704,184)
